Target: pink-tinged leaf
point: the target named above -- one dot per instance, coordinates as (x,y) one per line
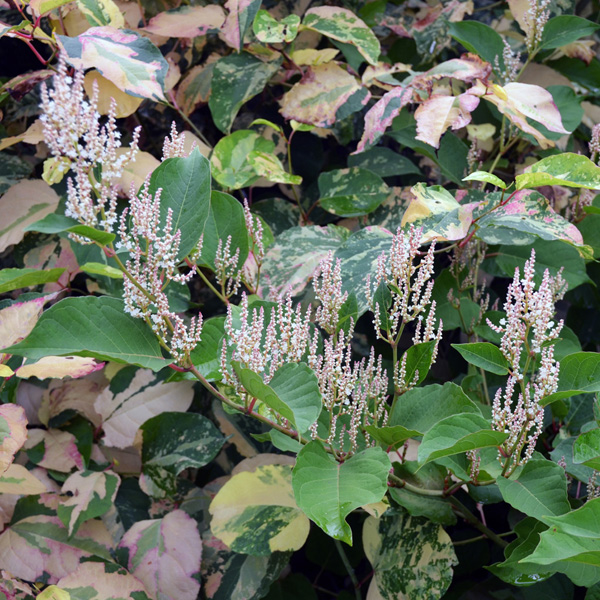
(438,113)
(58,367)
(187,21)
(54,255)
(438,213)
(382,75)
(145,397)
(19,481)
(316,98)
(344,26)
(13,433)
(519,8)
(13,589)
(22,204)
(93,495)
(40,546)
(108,583)
(53,449)
(165,555)
(238,21)
(381,115)
(78,395)
(468,68)
(17,320)
(133,63)
(581,49)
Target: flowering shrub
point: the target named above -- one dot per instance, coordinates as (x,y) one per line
(299,301)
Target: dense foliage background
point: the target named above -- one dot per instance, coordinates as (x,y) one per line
(299,299)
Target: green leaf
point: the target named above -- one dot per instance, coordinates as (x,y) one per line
(411,557)
(95,268)
(579,373)
(206,355)
(586,449)
(55,223)
(418,361)
(420,409)
(255,512)
(457,434)
(565,29)
(539,490)
(174,441)
(327,491)
(185,184)
(485,176)
(392,436)
(567,168)
(383,162)
(484,355)
(132,62)
(270,31)
(344,26)
(236,78)
(582,522)
(14,279)
(351,192)
(92,326)
(293,392)
(229,160)
(478,38)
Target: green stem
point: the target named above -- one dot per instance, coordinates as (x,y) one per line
(204,278)
(475,522)
(349,569)
(188,121)
(479,538)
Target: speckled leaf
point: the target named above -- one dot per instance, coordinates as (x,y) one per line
(457,434)
(487,177)
(238,21)
(328,491)
(14,279)
(567,168)
(13,433)
(194,87)
(320,94)
(438,213)
(255,512)
(381,114)
(539,490)
(412,557)
(132,62)
(187,21)
(586,449)
(93,492)
(185,184)
(270,167)
(351,192)
(292,259)
(40,546)
(231,576)
(528,212)
(293,392)
(229,160)
(174,441)
(95,327)
(438,113)
(270,31)
(236,78)
(164,554)
(344,26)
(102,581)
(384,162)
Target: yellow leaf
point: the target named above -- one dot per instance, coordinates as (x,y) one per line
(18,480)
(55,169)
(33,135)
(53,592)
(310,57)
(6,371)
(107,91)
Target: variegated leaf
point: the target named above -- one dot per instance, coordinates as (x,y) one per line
(53,449)
(13,433)
(238,21)
(309,57)
(412,557)
(102,581)
(101,12)
(468,68)
(255,512)
(93,495)
(40,547)
(319,95)
(528,213)
(58,367)
(18,480)
(194,88)
(236,79)
(187,21)
(133,63)
(292,259)
(344,26)
(567,168)
(438,113)
(164,554)
(438,213)
(270,31)
(267,165)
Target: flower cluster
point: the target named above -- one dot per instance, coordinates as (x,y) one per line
(327,283)
(251,270)
(594,145)
(512,63)
(78,141)
(174,144)
(528,332)
(535,19)
(152,265)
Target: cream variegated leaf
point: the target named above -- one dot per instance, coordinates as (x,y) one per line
(13,433)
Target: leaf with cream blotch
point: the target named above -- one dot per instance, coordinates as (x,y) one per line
(13,433)
(187,21)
